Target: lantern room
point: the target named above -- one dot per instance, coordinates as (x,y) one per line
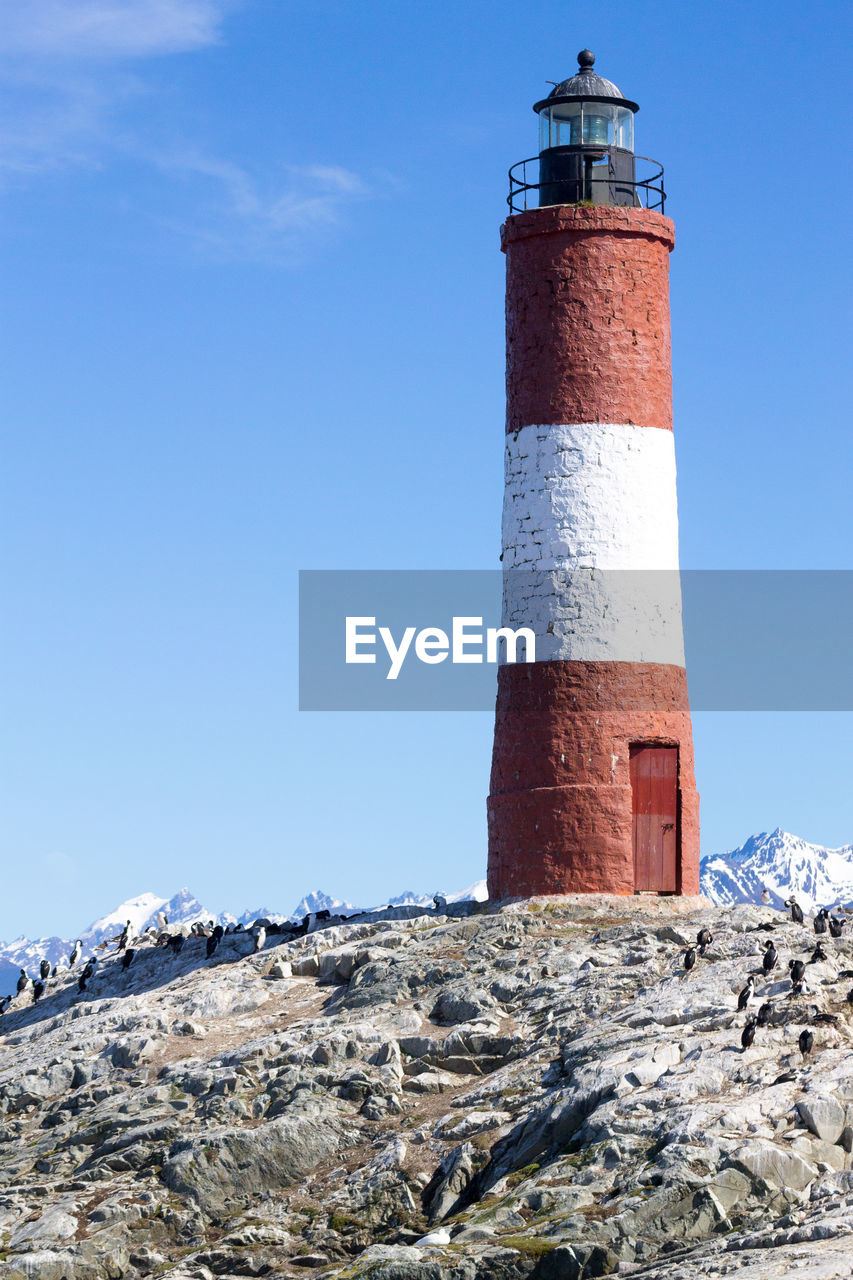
(586,141)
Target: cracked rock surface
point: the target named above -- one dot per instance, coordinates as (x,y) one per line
(539,1090)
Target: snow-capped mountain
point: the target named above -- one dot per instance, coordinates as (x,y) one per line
(182,908)
(317,900)
(781,863)
(27,953)
(320,901)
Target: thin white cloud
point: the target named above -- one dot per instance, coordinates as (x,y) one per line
(240,215)
(108,28)
(71,74)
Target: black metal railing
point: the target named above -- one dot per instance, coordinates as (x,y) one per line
(641,192)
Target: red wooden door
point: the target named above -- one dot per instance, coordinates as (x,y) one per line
(654,790)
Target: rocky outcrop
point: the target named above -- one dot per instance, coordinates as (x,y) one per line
(536,1091)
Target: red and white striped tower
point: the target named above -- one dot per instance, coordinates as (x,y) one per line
(592,786)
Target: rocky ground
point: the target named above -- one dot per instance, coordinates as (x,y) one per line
(539,1090)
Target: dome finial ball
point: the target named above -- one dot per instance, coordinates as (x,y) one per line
(585,59)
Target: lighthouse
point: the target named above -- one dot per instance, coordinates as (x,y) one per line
(592,785)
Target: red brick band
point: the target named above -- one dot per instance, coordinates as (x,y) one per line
(560,808)
(587,316)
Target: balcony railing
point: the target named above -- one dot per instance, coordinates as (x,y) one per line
(646,192)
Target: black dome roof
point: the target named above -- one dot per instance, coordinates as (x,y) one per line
(586,84)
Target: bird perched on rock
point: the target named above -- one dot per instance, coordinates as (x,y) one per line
(798,973)
(44,970)
(161,920)
(704,938)
(829,1019)
(23,981)
(746,994)
(260,939)
(127,958)
(439,901)
(125,934)
(689,958)
(765,896)
(836,924)
(218,933)
(820,920)
(845,973)
(764,1013)
(770,958)
(212,944)
(38,991)
(86,974)
(806,1042)
(818,955)
(748,1033)
(76,951)
(796,910)
(176,942)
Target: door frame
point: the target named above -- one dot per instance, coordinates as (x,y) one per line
(661,742)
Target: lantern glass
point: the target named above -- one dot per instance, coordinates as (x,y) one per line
(590,124)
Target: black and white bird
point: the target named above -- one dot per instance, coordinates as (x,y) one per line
(836,924)
(439,901)
(260,939)
(44,970)
(828,1019)
(212,944)
(806,1042)
(86,974)
(218,933)
(746,994)
(798,974)
(796,910)
(38,991)
(765,896)
(127,958)
(125,934)
(764,1013)
(161,920)
(818,955)
(770,958)
(75,954)
(748,1033)
(689,958)
(176,942)
(23,981)
(704,938)
(820,920)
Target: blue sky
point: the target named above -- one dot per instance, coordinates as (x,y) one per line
(253,322)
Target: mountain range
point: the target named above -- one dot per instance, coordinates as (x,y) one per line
(182,908)
(776,861)
(782,864)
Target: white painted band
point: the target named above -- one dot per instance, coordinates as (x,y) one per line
(590,542)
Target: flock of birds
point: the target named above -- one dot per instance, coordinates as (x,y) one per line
(160,934)
(824,922)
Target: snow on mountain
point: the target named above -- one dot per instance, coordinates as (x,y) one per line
(27,953)
(476,892)
(182,908)
(320,901)
(781,863)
